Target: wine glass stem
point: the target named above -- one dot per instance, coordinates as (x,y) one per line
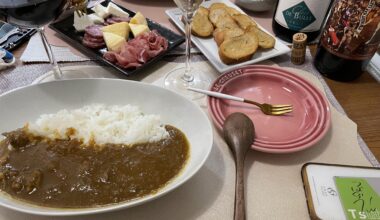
(188,77)
(56,70)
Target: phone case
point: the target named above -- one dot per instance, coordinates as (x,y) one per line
(308,186)
(12,36)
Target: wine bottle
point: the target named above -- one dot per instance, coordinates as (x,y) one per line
(350,38)
(293,16)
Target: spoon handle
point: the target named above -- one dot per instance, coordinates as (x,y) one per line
(239,191)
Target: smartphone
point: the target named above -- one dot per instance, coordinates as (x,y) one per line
(323,197)
(12,36)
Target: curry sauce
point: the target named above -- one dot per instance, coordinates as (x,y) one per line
(66,174)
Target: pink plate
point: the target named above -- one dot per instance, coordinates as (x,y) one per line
(305,126)
(320,122)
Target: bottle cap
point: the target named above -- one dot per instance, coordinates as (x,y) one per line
(298,48)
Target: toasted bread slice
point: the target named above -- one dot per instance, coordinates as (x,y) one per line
(227,22)
(201,25)
(218,14)
(222,34)
(266,41)
(239,49)
(217,5)
(244,21)
(203,10)
(232,11)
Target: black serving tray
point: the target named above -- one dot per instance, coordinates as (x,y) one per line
(66,30)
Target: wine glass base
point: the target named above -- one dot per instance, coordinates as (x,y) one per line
(175,81)
(67,74)
(71,73)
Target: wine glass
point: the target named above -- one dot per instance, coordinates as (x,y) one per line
(37,14)
(182,78)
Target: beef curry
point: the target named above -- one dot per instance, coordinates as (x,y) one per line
(66,174)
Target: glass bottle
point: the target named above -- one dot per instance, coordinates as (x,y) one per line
(349,39)
(293,16)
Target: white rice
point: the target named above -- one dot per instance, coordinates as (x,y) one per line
(101,124)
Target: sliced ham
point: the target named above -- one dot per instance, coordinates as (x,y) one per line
(110,56)
(142,49)
(156,41)
(132,65)
(129,55)
(139,50)
(153,53)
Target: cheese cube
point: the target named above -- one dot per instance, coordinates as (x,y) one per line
(113,41)
(115,10)
(80,23)
(100,11)
(96,19)
(138,29)
(121,29)
(139,19)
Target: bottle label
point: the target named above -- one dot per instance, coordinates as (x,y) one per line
(353,29)
(305,16)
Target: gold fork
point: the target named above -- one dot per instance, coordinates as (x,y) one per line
(267,109)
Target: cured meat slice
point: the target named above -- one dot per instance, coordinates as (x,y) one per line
(153,53)
(132,65)
(139,50)
(156,41)
(109,22)
(116,19)
(120,19)
(94,31)
(93,39)
(129,55)
(110,56)
(93,45)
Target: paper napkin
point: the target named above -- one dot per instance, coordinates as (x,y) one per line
(35,52)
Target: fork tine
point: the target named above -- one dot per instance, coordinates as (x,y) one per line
(280,112)
(280,106)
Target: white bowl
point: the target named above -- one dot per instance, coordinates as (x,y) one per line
(26,104)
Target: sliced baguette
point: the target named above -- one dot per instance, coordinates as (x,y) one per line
(239,49)
(201,25)
(266,41)
(226,22)
(203,10)
(218,14)
(244,21)
(232,11)
(217,5)
(222,34)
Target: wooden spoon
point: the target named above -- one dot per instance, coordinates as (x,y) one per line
(239,132)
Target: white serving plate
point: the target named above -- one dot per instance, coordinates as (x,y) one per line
(209,48)
(25,104)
